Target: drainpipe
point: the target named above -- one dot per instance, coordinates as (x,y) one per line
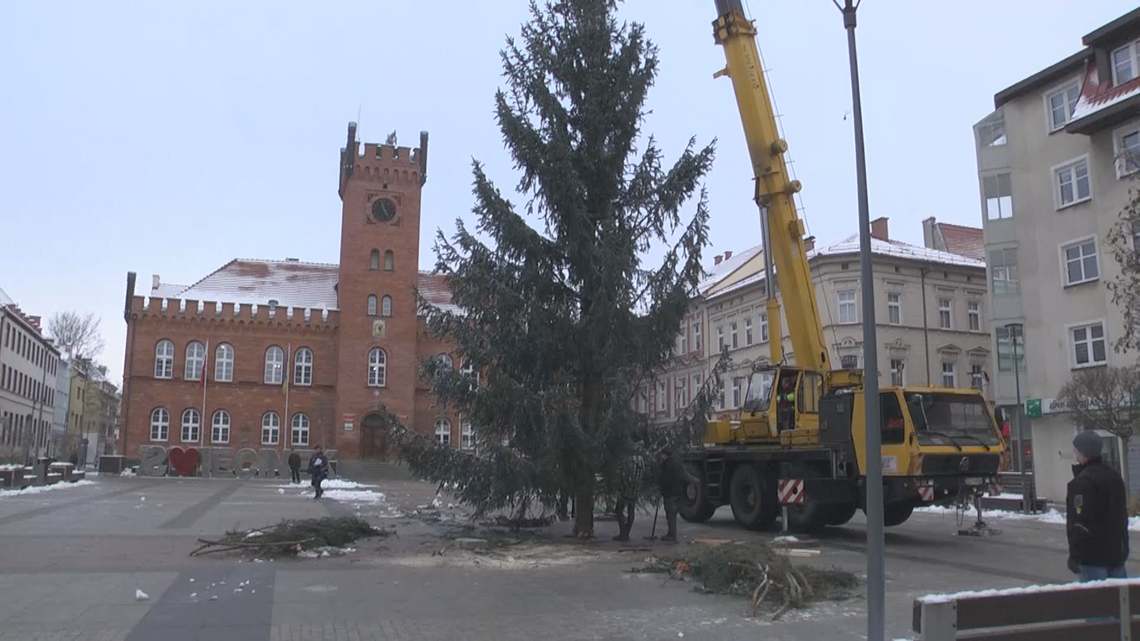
(925,324)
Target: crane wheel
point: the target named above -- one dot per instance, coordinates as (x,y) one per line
(694,505)
(807,518)
(840,513)
(753,501)
(897,514)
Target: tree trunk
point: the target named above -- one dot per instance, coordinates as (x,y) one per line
(584,515)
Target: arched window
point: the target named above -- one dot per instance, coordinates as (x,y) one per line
(442,431)
(159,424)
(303,367)
(386,306)
(371,304)
(270,428)
(300,434)
(195,357)
(469,371)
(191,423)
(466,435)
(274,365)
(374,259)
(377,368)
(445,360)
(164,359)
(224,363)
(220,427)
(389,261)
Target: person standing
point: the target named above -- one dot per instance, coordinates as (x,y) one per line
(295,466)
(318,468)
(629,487)
(672,483)
(1096,517)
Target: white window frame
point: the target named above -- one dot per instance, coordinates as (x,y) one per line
(220,427)
(274,365)
(1070,105)
(720,338)
(1133,51)
(662,391)
(733,335)
(159,425)
(377,368)
(697,345)
(299,432)
(683,341)
(748,331)
(898,374)
(1070,338)
(894,308)
(850,306)
(371,305)
(737,391)
(443,431)
(1121,162)
(164,359)
(1071,165)
(952,372)
(1079,243)
(468,371)
(224,363)
(977,376)
(270,428)
(466,435)
(386,306)
(681,385)
(949,309)
(974,315)
(191,426)
(764,327)
(303,367)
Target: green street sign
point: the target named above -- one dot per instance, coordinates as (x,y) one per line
(1033,407)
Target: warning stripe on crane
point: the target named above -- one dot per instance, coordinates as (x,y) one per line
(926,493)
(791,491)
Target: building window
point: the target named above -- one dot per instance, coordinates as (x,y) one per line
(974,311)
(1062,103)
(696,385)
(1089,346)
(300,434)
(389,261)
(848,311)
(224,363)
(894,309)
(1124,63)
(897,367)
(1003,267)
(991,133)
(1080,262)
(949,374)
(661,392)
(697,344)
(737,384)
(374,259)
(682,393)
(466,435)
(748,331)
(220,427)
(159,424)
(1071,182)
(732,335)
(372,304)
(945,315)
(377,368)
(191,423)
(386,306)
(442,431)
(274,365)
(764,327)
(270,429)
(468,371)
(164,359)
(1126,146)
(720,338)
(195,357)
(1006,348)
(303,367)
(999,196)
(977,378)
(444,361)
(683,341)
(849,362)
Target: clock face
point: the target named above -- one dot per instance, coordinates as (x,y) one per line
(383,209)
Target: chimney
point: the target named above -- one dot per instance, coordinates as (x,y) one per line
(728,254)
(879,228)
(717,259)
(928,227)
(154,281)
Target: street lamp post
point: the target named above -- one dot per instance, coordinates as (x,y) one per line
(876,606)
(1013,329)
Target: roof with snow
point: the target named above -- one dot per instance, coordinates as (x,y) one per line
(291,283)
(1103,104)
(433,288)
(725,268)
(5,299)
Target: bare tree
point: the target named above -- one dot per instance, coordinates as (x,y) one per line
(1123,242)
(1106,398)
(77,336)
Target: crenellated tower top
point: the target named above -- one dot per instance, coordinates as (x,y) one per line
(384,164)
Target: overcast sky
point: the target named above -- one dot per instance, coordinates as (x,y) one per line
(168,138)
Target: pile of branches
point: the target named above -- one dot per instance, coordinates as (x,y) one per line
(755,571)
(288,538)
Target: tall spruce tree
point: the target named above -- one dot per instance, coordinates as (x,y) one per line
(556,330)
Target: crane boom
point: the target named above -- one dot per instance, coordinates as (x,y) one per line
(783,230)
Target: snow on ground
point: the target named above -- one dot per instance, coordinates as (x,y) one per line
(343,484)
(355,496)
(1030,589)
(341,490)
(1053,517)
(40,489)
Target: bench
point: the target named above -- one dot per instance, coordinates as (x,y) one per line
(1097,611)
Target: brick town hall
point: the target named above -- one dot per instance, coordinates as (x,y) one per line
(294,354)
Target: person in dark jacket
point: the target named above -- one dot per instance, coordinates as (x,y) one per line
(318,469)
(673,484)
(295,466)
(1096,514)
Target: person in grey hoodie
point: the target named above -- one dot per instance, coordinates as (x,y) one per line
(318,470)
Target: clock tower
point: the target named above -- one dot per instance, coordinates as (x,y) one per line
(377,363)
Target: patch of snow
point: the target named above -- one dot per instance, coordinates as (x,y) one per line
(214,598)
(1031,589)
(193,595)
(40,489)
(141,596)
(281,490)
(1052,517)
(436,503)
(11,466)
(130,471)
(343,484)
(254,534)
(351,496)
(322,552)
(785,539)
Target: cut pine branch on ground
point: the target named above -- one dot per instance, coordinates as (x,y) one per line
(289,538)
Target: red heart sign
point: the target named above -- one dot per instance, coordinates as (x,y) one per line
(185,462)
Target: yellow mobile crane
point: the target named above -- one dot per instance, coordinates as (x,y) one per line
(798,440)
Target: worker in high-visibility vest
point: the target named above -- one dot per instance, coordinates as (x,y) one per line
(786,404)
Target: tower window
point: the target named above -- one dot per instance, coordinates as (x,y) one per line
(386,306)
(374,259)
(372,304)
(389,260)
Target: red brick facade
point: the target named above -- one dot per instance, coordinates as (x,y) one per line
(301,308)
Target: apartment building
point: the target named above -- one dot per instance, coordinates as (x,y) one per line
(931,311)
(1052,181)
(28,365)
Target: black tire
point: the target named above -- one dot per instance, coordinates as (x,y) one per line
(752,504)
(897,514)
(694,505)
(807,517)
(840,514)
